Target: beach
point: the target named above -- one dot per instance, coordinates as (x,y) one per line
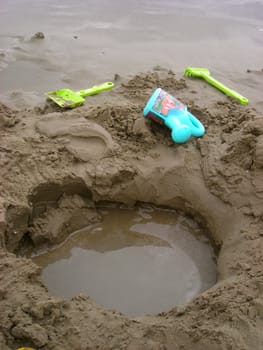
(57,164)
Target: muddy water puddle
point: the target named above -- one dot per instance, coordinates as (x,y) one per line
(136,261)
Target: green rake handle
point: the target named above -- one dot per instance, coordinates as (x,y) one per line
(229,92)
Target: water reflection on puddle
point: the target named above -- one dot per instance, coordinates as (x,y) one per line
(136,261)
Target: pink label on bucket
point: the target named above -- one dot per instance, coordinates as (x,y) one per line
(165,102)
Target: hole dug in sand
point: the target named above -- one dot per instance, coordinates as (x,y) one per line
(137,261)
(134,259)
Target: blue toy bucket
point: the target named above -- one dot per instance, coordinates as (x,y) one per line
(165,109)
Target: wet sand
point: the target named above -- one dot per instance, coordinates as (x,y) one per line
(50,185)
(91,42)
(56,166)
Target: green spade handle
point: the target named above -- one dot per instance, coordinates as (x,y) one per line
(96,89)
(229,92)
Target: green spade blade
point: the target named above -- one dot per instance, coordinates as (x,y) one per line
(67,98)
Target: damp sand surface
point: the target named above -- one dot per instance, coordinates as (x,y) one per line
(87,44)
(218,177)
(136,261)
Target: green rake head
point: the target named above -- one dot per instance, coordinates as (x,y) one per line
(196,72)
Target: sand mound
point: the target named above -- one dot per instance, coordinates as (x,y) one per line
(55,167)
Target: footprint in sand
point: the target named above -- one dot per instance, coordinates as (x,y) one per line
(84,139)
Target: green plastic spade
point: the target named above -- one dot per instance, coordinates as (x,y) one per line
(205,74)
(67,98)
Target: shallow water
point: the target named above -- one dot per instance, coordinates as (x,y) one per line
(88,42)
(136,261)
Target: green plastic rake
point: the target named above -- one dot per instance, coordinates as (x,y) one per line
(205,74)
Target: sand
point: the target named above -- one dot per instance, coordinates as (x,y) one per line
(56,165)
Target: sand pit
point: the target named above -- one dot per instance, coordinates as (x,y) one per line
(55,167)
